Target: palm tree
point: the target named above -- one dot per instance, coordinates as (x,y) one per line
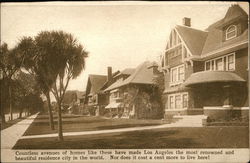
(67,60)
(36,63)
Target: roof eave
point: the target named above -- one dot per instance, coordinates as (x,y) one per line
(227,49)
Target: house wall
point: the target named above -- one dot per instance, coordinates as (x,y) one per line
(241,68)
(175,61)
(215,95)
(241,65)
(188,70)
(238,91)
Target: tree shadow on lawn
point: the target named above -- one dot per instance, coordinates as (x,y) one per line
(126,140)
(125,126)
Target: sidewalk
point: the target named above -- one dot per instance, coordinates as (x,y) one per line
(11,135)
(186,121)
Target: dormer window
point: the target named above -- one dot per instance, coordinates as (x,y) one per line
(231,32)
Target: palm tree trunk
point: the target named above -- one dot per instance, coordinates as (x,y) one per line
(51,120)
(60,134)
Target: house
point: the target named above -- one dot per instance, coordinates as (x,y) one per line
(73,101)
(206,71)
(95,98)
(133,94)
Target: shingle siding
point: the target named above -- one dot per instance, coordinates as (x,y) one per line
(214,39)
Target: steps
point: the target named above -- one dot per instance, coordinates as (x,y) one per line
(189,120)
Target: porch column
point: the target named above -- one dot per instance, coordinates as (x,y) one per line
(228,97)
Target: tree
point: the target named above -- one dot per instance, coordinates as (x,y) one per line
(37,63)
(159,89)
(55,58)
(67,61)
(10,63)
(27,92)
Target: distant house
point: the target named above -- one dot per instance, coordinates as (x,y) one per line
(132,95)
(73,101)
(95,98)
(206,71)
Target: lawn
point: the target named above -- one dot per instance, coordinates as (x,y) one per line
(74,123)
(201,137)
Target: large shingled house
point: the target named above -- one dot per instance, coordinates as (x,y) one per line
(206,71)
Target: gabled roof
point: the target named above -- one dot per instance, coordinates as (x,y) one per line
(107,83)
(193,38)
(128,71)
(141,75)
(234,12)
(214,39)
(244,6)
(200,43)
(115,85)
(96,82)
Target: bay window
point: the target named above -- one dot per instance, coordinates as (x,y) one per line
(224,63)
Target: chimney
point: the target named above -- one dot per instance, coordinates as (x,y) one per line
(109,73)
(186,22)
(154,66)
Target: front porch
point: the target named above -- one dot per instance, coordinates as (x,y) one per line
(222,95)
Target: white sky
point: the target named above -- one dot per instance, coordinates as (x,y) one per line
(121,35)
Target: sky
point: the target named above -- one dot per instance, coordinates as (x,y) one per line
(116,34)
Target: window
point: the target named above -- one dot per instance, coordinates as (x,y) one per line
(231,65)
(178,101)
(177,75)
(171,102)
(185,100)
(219,64)
(174,75)
(231,32)
(224,63)
(207,65)
(181,73)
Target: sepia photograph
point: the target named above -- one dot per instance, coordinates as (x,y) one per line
(131,81)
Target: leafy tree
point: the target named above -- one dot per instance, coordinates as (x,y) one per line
(10,63)
(27,89)
(159,89)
